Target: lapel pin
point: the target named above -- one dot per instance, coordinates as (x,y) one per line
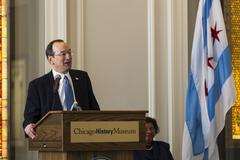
(77,78)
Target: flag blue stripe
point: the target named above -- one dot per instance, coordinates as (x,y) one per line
(206,10)
(193,118)
(221,73)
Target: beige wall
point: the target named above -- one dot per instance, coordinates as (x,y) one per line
(26,63)
(116,52)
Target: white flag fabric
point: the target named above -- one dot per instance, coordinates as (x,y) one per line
(211,90)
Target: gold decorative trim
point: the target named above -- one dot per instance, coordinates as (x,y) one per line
(3,81)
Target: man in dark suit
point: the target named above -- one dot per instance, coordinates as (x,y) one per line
(59,89)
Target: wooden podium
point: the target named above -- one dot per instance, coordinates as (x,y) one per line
(89,135)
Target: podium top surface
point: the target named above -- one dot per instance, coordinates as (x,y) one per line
(92,112)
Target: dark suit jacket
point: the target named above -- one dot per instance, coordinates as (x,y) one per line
(160,151)
(42,99)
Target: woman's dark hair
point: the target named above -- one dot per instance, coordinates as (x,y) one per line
(153,122)
(49,49)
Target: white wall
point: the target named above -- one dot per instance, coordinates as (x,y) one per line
(172,60)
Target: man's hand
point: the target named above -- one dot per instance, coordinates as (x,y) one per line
(30,131)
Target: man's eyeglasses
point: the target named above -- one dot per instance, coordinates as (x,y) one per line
(64,53)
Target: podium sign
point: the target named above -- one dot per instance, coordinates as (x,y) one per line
(102,131)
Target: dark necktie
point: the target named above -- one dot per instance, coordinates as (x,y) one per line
(68,93)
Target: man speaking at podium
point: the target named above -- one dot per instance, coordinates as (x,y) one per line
(61,89)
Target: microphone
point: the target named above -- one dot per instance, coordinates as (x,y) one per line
(55,89)
(75,107)
(56,83)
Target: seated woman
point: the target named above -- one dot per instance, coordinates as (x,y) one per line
(154,150)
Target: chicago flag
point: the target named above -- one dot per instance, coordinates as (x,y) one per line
(211,90)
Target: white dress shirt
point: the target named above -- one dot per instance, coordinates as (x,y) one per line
(60,89)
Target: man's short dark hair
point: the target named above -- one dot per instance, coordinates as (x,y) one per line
(49,49)
(153,122)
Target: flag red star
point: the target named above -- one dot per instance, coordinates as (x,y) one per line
(215,33)
(209,62)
